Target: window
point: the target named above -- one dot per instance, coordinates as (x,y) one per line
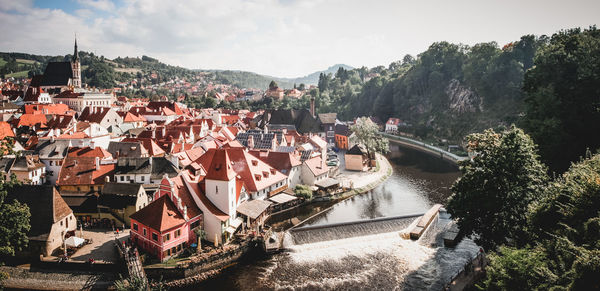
(144,232)
(177,233)
(142,178)
(217,189)
(122,178)
(167,237)
(195,224)
(154,237)
(135,226)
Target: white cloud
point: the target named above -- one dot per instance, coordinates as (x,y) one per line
(277,37)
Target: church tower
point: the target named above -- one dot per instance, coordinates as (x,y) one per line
(76,67)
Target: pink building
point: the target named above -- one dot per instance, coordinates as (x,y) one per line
(166,226)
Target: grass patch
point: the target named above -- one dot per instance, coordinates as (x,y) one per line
(2,62)
(24,61)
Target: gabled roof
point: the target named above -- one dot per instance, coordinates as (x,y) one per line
(155,166)
(45,205)
(281,161)
(327,118)
(255,173)
(48,149)
(342,129)
(89,152)
(357,150)
(127,149)
(94,114)
(82,171)
(161,215)
(315,165)
(301,119)
(30,120)
(5,130)
(57,74)
(220,166)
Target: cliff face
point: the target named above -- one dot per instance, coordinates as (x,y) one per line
(462,99)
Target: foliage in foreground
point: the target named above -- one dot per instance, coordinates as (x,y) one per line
(563,249)
(492,197)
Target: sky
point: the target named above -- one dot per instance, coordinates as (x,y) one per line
(283,38)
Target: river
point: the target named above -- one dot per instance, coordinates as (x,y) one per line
(377,261)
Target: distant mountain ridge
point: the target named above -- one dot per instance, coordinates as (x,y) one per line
(313,79)
(245,79)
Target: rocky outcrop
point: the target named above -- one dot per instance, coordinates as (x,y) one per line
(462,99)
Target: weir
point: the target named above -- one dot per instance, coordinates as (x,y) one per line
(335,231)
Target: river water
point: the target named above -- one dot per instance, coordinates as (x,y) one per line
(382,261)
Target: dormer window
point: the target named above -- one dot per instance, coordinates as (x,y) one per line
(272,171)
(266,174)
(257,177)
(254,162)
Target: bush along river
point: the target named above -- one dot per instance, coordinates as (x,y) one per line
(354,258)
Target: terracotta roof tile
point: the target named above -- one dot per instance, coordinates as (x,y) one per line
(161,214)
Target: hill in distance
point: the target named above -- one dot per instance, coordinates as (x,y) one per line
(245,79)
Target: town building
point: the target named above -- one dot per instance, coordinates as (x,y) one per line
(105,116)
(51,218)
(122,200)
(79,99)
(167,225)
(148,170)
(357,158)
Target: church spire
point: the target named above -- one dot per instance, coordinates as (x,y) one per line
(75,52)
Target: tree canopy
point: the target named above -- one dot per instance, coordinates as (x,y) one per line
(562,97)
(366,133)
(492,196)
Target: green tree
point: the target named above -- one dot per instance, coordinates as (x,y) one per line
(303,191)
(492,196)
(366,132)
(562,107)
(518,269)
(14,222)
(273,85)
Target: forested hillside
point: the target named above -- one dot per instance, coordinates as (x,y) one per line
(448,91)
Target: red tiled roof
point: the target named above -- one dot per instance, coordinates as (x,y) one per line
(89,152)
(30,120)
(5,130)
(220,166)
(47,109)
(255,173)
(161,215)
(82,171)
(279,160)
(94,114)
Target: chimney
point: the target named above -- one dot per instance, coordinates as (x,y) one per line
(150,161)
(97,164)
(312,106)
(164,131)
(154,133)
(185,212)
(107,179)
(92,144)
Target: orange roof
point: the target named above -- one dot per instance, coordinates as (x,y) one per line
(47,109)
(89,152)
(255,173)
(31,120)
(161,215)
(82,171)
(5,130)
(220,166)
